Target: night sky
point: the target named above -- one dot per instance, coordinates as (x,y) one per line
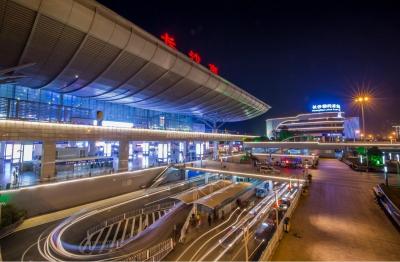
(289,54)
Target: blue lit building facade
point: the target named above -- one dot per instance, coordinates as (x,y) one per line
(318,126)
(18,102)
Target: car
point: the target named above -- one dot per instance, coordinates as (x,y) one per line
(265,230)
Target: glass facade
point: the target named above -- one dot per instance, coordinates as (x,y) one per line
(18,102)
(20,161)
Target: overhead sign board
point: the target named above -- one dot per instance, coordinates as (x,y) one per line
(326,108)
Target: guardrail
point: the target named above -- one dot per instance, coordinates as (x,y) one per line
(129,214)
(274,241)
(186,226)
(156,180)
(154,253)
(391,208)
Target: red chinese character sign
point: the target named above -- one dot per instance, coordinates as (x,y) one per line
(195,56)
(168,40)
(213,68)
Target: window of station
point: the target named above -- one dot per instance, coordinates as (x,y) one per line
(162,151)
(199,149)
(16,152)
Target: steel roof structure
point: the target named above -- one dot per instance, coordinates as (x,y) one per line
(80,47)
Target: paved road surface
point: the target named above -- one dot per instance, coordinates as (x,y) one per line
(339,219)
(24,240)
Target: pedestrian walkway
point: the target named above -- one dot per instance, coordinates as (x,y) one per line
(340,220)
(11,179)
(54,216)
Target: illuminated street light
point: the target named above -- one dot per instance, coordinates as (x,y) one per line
(392,137)
(361,101)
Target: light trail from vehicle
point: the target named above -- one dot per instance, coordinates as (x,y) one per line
(213,237)
(53,246)
(259,210)
(206,233)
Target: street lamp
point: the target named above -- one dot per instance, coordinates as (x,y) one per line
(362,100)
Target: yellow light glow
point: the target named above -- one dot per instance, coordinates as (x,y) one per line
(362,99)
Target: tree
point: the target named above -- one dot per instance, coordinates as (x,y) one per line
(261,139)
(10,214)
(375,156)
(284,133)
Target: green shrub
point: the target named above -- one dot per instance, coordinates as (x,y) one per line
(10,214)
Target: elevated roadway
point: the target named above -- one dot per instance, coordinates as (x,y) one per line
(321,145)
(12,130)
(245,174)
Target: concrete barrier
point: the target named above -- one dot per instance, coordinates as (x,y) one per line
(51,197)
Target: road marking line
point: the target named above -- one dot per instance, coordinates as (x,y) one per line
(105,239)
(140,224)
(133,225)
(96,241)
(116,233)
(125,227)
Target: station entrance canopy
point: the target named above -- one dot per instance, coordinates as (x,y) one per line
(81,48)
(221,196)
(194,194)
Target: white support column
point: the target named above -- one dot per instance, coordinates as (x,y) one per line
(174,152)
(48,168)
(215,150)
(2,151)
(230,147)
(123,154)
(92,148)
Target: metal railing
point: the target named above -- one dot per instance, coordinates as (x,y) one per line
(136,212)
(73,176)
(158,178)
(154,253)
(274,241)
(186,226)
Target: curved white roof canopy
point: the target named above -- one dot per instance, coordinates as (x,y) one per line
(80,47)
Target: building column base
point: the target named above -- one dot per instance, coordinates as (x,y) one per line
(48,164)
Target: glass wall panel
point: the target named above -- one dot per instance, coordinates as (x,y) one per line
(18,102)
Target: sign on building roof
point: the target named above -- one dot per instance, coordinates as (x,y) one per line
(326,108)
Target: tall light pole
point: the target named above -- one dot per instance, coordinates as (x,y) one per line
(362,101)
